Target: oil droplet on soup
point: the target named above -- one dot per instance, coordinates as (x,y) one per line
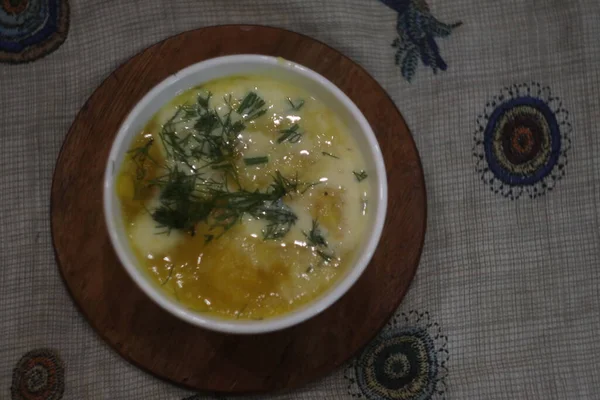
(244,197)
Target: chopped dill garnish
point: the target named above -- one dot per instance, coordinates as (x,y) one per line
(360,175)
(330,155)
(280,220)
(281,185)
(297,106)
(179,208)
(212,141)
(207,122)
(326,257)
(251,107)
(182,216)
(290,134)
(139,155)
(203,101)
(187,200)
(315,239)
(256,160)
(263,206)
(202,153)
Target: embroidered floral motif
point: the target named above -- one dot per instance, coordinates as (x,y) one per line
(407,361)
(39,375)
(417,31)
(30,29)
(521,141)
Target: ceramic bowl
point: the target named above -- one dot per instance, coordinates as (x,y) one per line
(220,67)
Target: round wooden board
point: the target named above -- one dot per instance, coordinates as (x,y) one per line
(169,348)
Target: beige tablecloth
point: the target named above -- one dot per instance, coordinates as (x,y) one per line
(504,109)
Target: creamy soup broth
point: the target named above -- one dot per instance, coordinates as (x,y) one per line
(245,197)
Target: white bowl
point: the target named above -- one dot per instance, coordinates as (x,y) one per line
(235,65)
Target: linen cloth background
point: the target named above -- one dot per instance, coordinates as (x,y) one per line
(514,284)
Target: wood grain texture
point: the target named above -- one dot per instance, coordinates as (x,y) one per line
(169,348)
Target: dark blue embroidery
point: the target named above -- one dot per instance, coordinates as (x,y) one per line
(407,361)
(39,375)
(417,30)
(522,140)
(30,29)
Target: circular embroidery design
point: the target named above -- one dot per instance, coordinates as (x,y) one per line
(30,29)
(522,140)
(407,361)
(39,375)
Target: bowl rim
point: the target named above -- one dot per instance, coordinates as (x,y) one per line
(304,312)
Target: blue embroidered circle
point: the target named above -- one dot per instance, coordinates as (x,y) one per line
(30,29)
(398,365)
(522,141)
(402,363)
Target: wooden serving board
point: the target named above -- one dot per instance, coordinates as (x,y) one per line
(169,348)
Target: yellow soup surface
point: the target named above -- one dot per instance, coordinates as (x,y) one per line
(245,197)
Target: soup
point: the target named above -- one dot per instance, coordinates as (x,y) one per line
(245,197)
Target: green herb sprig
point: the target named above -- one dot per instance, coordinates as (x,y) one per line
(251,107)
(209,142)
(139,156)
(297,106)
(280,219)
(360,175)
(315,237)
(187,200)
(256,160)
(316,240)
(330,155)
(291,134)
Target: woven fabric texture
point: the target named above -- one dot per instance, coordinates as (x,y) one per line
(511,280)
